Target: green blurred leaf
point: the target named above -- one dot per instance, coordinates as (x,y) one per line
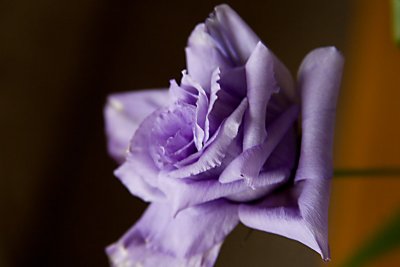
(382,242)
(396,21)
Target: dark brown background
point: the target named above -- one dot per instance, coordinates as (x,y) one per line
(59,60)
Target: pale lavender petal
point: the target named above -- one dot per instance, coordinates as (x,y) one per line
(142,256)
(133,176)
(319,81)
(184,193)
(248,164)
(123,114)
(203,56)
(159,239)
(139,173)
(213,155)
(261,84)
(178,94)
(270,87)
(298,213)
(234,38)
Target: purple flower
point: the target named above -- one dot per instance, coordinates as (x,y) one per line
(221,148)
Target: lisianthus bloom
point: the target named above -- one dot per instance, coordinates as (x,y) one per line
(222,147)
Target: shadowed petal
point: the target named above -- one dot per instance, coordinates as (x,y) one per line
(298,213)
(319,80)
(159,239)
(123,114)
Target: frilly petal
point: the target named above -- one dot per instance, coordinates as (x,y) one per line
(123,114)
(299,213)
(213,154)
(319,81)
(159,239)
(139,173)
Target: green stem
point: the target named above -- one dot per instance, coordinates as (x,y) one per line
(384,171)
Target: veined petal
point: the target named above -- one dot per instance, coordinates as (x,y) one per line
(123,114)
(319,81)
(299,213)
(159,239)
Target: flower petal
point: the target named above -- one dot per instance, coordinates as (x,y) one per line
(298,213)
(235,39)
(203,56)
(249,163)
(269,85)
(184,193)
(178,94)
(222,99)
(133,176)
(201,108)
(319,81)
(159,239)
(261,84)
(211,156)
(139,172)
(123,114)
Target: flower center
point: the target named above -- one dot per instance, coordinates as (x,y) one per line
(172,136)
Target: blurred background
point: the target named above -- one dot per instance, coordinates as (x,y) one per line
(60,203)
